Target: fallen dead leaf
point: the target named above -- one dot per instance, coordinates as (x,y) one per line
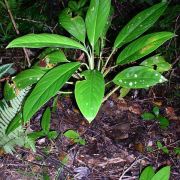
(157,103)
(139,147)
(30,158)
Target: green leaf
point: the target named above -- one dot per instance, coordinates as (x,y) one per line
(148,116)
(52,135)
(138,77)
(47,87)
(159,145)
(158,62)
(35,135)
(9,91)
(89,93)
(73,5)
(56,57)
(156,111)
(45,123)
(81,141)
(82,3)
(177,150)
(15,123)
(162,174)
(165,150)
(71,134)
(96,19)
(164,122)
(147,173)
(139,24)
(28,77)
(143,46)
(4,69)
(124,92)
(45,40)
(74,25)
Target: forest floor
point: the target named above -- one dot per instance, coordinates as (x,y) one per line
(119,143)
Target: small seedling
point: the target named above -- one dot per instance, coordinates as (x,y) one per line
(75,137)
(161,147)
(149,174)
(155,115)
(177,150)
(45,124)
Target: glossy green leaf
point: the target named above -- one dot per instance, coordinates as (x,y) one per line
(156,111)
(15,123)
(177,150)
(35,135)
(147,173)
(138,77)
(74,25)
(143,46)
(165,150)
(56,57)
(71,134)
(139,24)
(89,93)
(164,122)
(157,62)
(45,40)
(73,5)
(159,145)
(82,3)
(52,134)
(162,174)
(28,77)
(147,116)
(45,123)
(4,69)
(96,19)
(124,92)
(47,87)
(9,91)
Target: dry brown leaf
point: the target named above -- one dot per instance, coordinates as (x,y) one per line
(139,147)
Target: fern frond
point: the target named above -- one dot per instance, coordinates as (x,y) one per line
(8,110)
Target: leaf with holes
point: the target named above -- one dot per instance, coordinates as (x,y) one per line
(139,24)
(74,25)
(45,40)
(143,46)
(28,77)
(147,173)
(96,19)
(138,77)
(47,87)
(157,62)
(89,93)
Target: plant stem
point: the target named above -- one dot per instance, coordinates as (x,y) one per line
(16,30)
(104,67)
(91,61)
(65,92)
(110,93)
(109,69)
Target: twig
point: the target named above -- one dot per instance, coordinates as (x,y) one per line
(130,167)
(17,30)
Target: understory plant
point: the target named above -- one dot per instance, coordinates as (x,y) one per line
(155,115)
(92,75)
(149,174)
